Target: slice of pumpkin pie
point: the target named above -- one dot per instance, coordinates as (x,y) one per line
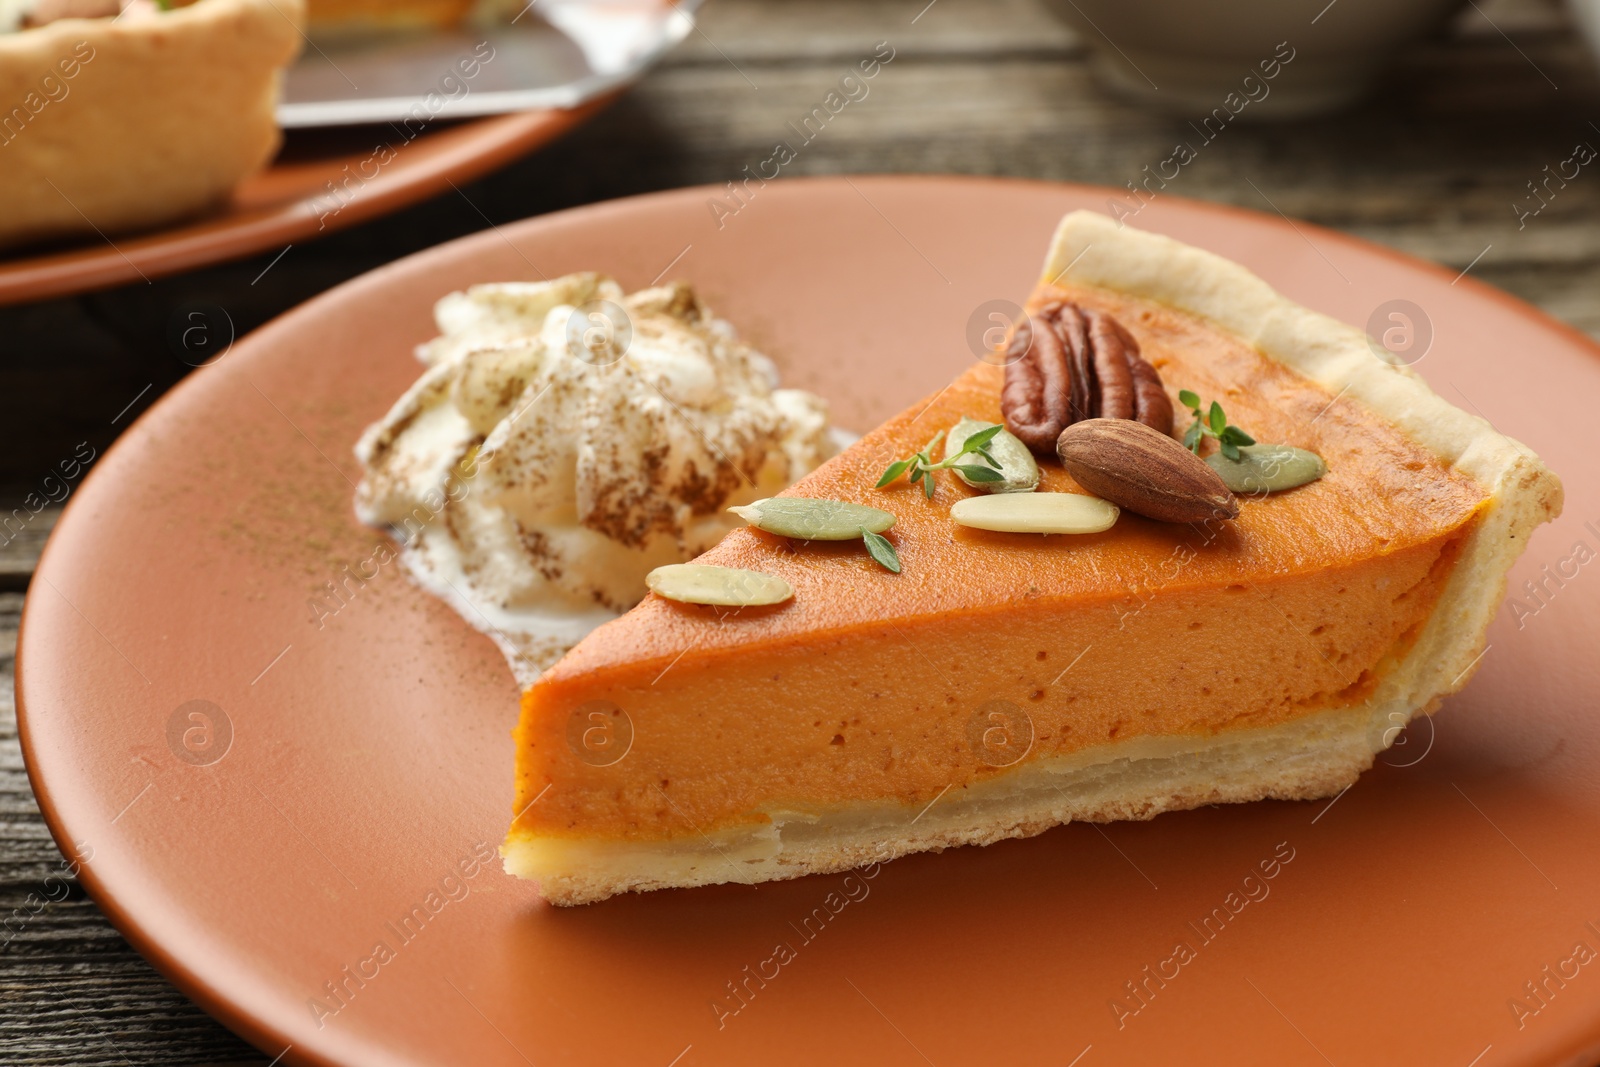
(1247,599)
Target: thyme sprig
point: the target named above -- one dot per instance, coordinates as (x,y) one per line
(1213,423)
(919,467)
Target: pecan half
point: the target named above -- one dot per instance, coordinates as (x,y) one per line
(1109,344)
(1065,364)
(1036,397)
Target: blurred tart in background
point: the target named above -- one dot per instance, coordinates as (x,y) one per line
(366,15)
(121,115)
(363,14)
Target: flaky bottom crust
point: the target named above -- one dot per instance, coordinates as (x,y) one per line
(1316,755)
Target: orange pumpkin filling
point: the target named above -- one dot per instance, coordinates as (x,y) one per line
(870,685)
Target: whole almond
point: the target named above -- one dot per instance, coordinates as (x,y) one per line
(1144,471)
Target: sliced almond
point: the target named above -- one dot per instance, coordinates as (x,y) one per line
(699,583)
(1040,513)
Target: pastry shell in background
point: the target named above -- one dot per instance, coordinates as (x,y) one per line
(394,14)
(115,125)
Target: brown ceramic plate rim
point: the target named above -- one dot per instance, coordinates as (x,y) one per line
(460,153)
(263,1034)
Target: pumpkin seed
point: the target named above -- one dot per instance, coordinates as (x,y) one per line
(810,519)
(1041,513)
(1019,471)
(1268,468)
(699,583)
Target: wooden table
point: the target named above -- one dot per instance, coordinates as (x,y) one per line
(1432,164)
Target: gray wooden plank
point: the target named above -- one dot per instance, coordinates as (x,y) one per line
(24,528)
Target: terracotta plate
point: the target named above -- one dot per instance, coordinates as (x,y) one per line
(281,806)
(290,201)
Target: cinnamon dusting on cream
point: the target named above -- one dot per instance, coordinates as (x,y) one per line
(566,439)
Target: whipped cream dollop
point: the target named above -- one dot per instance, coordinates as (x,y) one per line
(565,440)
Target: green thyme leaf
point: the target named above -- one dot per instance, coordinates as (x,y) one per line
(976,441)
(1017,470)
(1235,436)
(972,457)
(879,548)
(895,470)
(1211,423)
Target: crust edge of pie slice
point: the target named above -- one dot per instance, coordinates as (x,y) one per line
(1145,669)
